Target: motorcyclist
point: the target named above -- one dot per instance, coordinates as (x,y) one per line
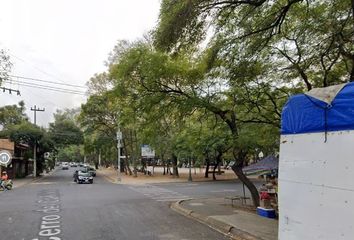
(4,178)
(76,175)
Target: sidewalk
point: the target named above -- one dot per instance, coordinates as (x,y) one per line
(237,222)
(197,175)
(19,182)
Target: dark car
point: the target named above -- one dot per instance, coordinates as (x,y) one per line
(84,177)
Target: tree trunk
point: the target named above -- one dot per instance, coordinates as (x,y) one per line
(237,168)
(218,161)
(127,167)
(174,165)
(207,161)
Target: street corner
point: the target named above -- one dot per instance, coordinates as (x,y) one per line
(177,206)
(108,177)
(212,222)
(204,219)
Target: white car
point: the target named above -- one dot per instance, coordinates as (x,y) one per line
(64,166)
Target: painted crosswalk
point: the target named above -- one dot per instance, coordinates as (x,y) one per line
(159,194)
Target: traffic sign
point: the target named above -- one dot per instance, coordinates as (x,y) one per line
(5,158)
(119,135)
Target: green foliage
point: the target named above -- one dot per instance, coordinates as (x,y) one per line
(64,131)
(71,153)
(5,66)
(12,115)
(24,132)
(181,24)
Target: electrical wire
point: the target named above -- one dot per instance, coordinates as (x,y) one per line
(42,80)
(38,69)
(46,86)
(37,86)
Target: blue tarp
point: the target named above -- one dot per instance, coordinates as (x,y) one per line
(266,164)
(305,114)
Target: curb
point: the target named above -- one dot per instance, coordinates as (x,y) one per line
(213,223)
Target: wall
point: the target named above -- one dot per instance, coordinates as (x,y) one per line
(316,186)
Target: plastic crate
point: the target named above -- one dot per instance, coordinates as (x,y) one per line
(268,213)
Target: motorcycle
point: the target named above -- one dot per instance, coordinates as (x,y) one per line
(8,185)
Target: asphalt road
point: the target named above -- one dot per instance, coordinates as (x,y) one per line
(56,208)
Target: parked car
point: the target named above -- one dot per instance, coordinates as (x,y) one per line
(91,170)
(73,164)
(84,177)
(64,166)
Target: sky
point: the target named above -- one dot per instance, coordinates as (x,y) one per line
(67,42)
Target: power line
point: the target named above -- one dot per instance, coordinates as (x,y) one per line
(42,80)
(41,85)
(52,89)
(38,69)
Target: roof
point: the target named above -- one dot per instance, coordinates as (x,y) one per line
(266,164)
(320,110)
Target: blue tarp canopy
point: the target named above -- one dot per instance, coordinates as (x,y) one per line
(266,164)
(320,112)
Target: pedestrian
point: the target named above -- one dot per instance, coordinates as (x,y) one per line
(4,178)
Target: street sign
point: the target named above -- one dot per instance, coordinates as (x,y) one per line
(146,151)
(119,135)
(5,158)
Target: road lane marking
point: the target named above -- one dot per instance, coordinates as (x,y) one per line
(158,194)
(223,190)
(43,183)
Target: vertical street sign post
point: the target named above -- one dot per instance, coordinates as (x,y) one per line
(119,138)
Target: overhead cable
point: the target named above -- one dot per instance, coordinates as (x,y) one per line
(42,85)
(51,89)
(42,80)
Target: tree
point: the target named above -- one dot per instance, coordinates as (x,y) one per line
(12,114)
(72,153)
(27,133)
(5,66)
(99,84)
(182,84)
(64,131)
(99,119)
(310,41)
(259,52)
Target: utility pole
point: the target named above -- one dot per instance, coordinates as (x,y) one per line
(35,110)
(119,138)
(99,157)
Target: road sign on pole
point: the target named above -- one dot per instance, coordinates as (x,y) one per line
(5,158)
